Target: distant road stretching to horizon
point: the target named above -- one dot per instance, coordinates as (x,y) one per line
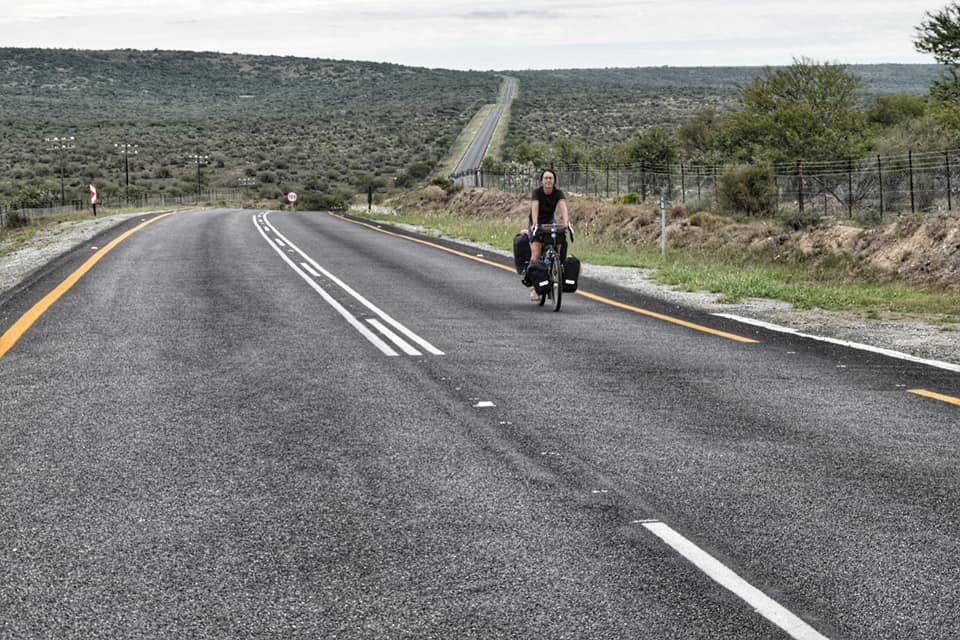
(481,142)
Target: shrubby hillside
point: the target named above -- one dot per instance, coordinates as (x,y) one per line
(603,107)
(327,125)
(332,127)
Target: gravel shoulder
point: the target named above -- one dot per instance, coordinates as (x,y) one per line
(916,336)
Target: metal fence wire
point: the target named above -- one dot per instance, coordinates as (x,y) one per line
(870,187)
(31,211)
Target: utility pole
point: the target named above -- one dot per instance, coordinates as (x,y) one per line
(61,144)
(126,150)
(199,160)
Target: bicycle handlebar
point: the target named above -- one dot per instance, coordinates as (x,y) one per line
(554,228)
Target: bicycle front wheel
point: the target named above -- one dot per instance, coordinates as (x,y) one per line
(556,282)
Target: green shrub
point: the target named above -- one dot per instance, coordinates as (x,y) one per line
(314,201)
(796,219)
(628,198)
(748,190)
(448,185)
(15,219)
(708,220)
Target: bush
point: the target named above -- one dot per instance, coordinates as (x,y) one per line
(448,185)
(707,220)
(314,201)
(628,198)
(15,219)
(748,190)
(796,219)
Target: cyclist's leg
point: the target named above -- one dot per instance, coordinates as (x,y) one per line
(536,250)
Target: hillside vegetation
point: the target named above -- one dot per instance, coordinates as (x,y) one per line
(325,125)
(269,124)
(601,107)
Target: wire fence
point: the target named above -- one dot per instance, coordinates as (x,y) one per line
(31,211)
(864,188)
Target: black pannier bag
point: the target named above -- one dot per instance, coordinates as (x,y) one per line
(521,251)
(571,274)
(538,277)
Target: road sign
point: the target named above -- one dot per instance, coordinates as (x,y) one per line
(292,197)
(93,194)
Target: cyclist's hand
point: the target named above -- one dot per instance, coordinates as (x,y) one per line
(570,228)
(535,228)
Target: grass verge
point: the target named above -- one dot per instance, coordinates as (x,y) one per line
(803,286)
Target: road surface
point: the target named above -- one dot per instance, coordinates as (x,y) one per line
(238,424)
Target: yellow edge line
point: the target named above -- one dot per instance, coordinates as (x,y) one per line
(665,318)
(935,396)
(592,296)
(20,327)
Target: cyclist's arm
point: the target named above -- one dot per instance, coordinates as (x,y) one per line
(535,212)
(564,214)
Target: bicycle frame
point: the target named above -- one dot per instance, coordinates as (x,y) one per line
(552,258)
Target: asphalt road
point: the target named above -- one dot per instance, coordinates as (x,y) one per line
(481,141)
(212,435)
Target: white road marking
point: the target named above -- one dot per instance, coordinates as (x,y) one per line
(718,572)
(309,270)
(483,404)
(407,333)
(279,242)
(349,317)
(845,343)
(397,340)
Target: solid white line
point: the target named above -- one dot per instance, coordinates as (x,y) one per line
(397,340)
(717,571)
(309,270)
(410,335)
(349,317)
(845,343)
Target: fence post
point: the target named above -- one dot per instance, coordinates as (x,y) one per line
(946,155)
(683,186)
(800,183)
(849,187)
(880,182)
(913,208)
(643,181)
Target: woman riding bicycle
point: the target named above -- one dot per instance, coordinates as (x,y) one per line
(545,203)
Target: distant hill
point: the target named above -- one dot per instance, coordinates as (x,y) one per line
(323,125)
(286,122)
(607,106)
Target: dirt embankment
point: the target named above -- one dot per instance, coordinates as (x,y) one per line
(922,249)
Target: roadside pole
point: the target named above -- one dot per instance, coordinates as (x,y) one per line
(663,226)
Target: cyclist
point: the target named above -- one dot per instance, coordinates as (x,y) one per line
(545,203)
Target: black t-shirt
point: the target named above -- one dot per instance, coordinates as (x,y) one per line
(548,205)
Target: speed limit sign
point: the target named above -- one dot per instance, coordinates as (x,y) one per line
(292,197)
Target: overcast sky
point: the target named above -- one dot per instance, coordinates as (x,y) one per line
(490,34)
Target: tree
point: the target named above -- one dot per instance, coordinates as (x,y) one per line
(939,35)
(891,110)
(654,147)
(806,111)
(534,153)
(698,135)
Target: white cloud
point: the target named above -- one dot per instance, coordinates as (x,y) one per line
(495,34)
